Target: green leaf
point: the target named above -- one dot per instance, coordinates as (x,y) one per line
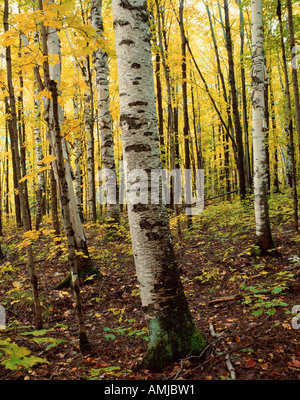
(17,356)
(277,289)
(110,336)
(257,312)
(40,332)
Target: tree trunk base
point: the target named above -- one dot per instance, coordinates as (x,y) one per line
(260,249)
(170,347)
(84,344)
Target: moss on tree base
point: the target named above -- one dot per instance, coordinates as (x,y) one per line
(169,347)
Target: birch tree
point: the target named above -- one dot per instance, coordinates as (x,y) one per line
(104,115)
(294,70)
(172,332)
(78,157)
(39,157)
(235,107)
(259,78)
(20,182)
(51,46)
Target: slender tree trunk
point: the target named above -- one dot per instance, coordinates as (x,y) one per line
(172,332)
(1,198)
(7,171)
(22,139)
(227,101)
(54,205)
(55,74)
(78,158)
(65,204)
(294,70)
(104,115)
(291,166)
(244,99)
(171,120)
(267,133)
(159,104)
(274,129)
(50,40)
(186,128)
(21,188)
(89,129)
(263,230)
(235,107)
(40,199)
(15,179)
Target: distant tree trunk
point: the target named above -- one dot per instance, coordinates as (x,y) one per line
(235,107)
(21,188)
(104,115)
(7,169)
(55,74)
(291,166)
(267,133)
(89,129)
(172,332)
(187,161)
(15,179)
(159,103)
(171,120)
(244,98)
(294,70)
(40,200)
(263,230)
(274,129)
(196,127)
(54,206)
(1,198)
(227,101)
(159,94)
(50,40)
(22,138)
(78,159)
(65,204)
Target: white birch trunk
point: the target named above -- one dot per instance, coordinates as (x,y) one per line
(78,159)
(39,156)
(88,123)
(55,74)
(171,328)
(259,77)
(104,115)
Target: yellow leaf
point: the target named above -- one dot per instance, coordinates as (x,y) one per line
(47,159)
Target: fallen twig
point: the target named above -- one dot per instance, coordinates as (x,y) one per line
(227,355)
(228,298)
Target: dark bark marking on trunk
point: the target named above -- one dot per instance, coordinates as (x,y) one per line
(138,103)
(127,42)
(136,66)
(138,148)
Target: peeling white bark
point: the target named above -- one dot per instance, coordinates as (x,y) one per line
(259,78)
(55,74)
(149,226)
(77,158)
(104,115)
(39,157)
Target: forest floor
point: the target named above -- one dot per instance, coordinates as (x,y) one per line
(253,329)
